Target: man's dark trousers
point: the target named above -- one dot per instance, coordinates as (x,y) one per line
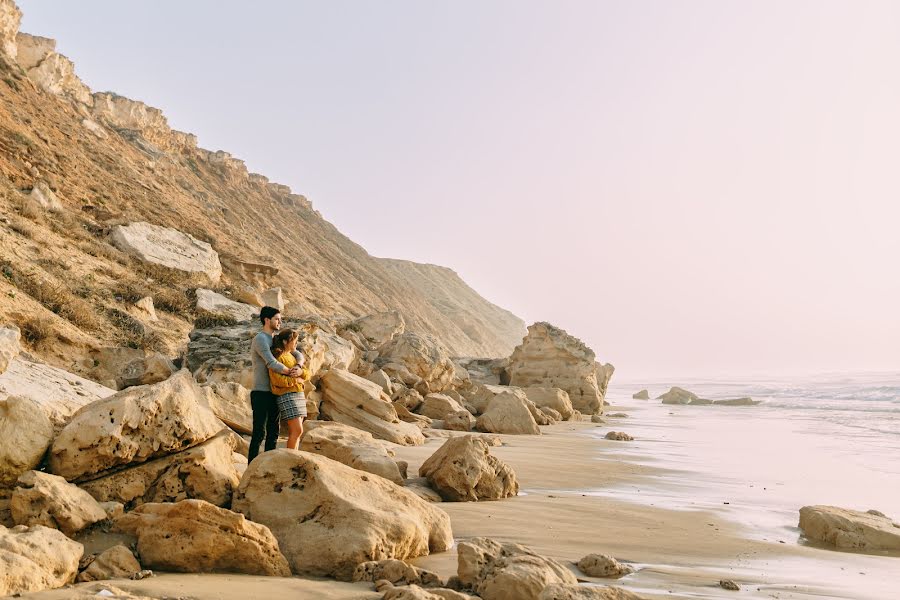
(265,422)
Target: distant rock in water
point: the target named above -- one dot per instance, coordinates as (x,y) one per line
(677,395)
(641,395)
(850,529)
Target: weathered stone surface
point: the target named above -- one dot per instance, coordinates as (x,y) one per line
(508,413)
(25,435)
(213,302)
(603,565)
(205,472)
(145,310)
(853,529)
(677,395)
(481,396)
(551,414)
(9,346)
(377,329)
(507,571)
(736,402)
(463,469)
(412,358)
(604,373)
(619,436)
(51,501)
(231,403)
(41,195)
(117,562)
(554,398)
(124,113)
(273,297)
(57,393)
(486,371)
(396,572)
(641,395)
(419,486)
(550,357)
(410,398)
(168,247)
(354,401)
(729,584)
(381,378)
(50,70)
(10,17)
(123,367)
(566,591)
(461,420)
(438,406)
(193,536)
(36,558)
(133,426)
(329,517)
(350,446)
(414,592)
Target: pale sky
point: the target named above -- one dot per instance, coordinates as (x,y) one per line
(692,188)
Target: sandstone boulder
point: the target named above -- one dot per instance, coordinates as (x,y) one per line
(550,357)
(486,371)
(850,529)
(508,413)
(438,406)
(551,414)
(396,572)
(36,558)
(57,393)
(565,591)
(354,401)
(51,501)
(25,435)
(461,420)
(213,302)
(193,536)
(419,421)
(482,395)
(381,378)
(350,446)
(498,571)
(117,562)
(677,395)
(122,367)
(377,329)
(641,395)
(554,398)
(737,402)
(144,309)
(410,398)
(273,297)
(9,346)
(603,565)
(42,196)
(329,517)
(169,248)
(463,469)
(205,472)
(412,358)
(619,436)
(231,403)
(133,426)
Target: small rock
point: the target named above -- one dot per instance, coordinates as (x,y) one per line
(619,436)
(603,565)
(142,574)
(729,585)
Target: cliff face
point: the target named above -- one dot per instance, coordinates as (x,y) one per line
(107,160)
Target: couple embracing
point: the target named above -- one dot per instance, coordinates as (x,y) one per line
(278,375)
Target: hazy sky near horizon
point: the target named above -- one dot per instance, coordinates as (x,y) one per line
(695,187)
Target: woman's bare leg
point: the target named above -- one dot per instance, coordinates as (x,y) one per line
(295,430)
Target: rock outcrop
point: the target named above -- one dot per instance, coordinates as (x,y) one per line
(10,17)
(350,446)
(463,469)
(354,401)
(9,346)
(375,330)
(119,368)
(677,395)
(329,517)
(508,413)
(619,436)
(486,371)
(417,361)
(169,248)
(25,435)
(36,558)
(132,426)
(193,536)
(216,303)
(51,501)
(850,529)
(550,357)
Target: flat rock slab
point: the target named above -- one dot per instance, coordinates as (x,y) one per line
(167,247)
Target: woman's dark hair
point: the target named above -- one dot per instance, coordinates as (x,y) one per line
(281,339)
(267,312)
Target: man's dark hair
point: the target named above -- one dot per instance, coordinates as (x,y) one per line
(267,312)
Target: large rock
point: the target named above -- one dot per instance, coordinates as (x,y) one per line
(51,501)
(51,71)
(193,536)
(439,406)
(412,358)
(852,529)
(350,446)
(25,435)
(486,371)
(641,395)
(554,398)
(9,346)
(396,572)
(117,562)
(36,558)
(57,393)
(459,421)
(375,330)
(213,302)
(603,565)
(567,591)
(508,413)
(329,517)
(205,472)
(354,401)
(231,403)
(481,396)
(550,357)
(10,17)
(133,426)
(122,367)
(168,247)
(463,469)
(677,395)
(498,571)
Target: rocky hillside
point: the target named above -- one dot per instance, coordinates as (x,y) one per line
(75,164)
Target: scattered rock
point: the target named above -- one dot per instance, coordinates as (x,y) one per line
(273,297)
(43,196)
(142,574)
(193,536)
(412,358)
(619,436)
(548,397)
(215,303)
(133,426)
(728,584)
(169,248)
(508,413)
(329,517)
(145,310)
(36,558)
(9,346)
(51,501)
(381,378)
(737,402)
(552,414)
(845,528)
(410,398)
(117,562)
(461,420)
(419,421)
(463,469)
(603,565)
(350,446)
(598,419)
(641,395)
(25,435)
(396,572)
(677,395)
(438,406)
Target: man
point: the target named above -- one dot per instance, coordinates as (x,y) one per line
(262,400)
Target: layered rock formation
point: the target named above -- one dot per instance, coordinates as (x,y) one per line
(850,529)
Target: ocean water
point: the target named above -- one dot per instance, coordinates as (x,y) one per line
(830,439)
